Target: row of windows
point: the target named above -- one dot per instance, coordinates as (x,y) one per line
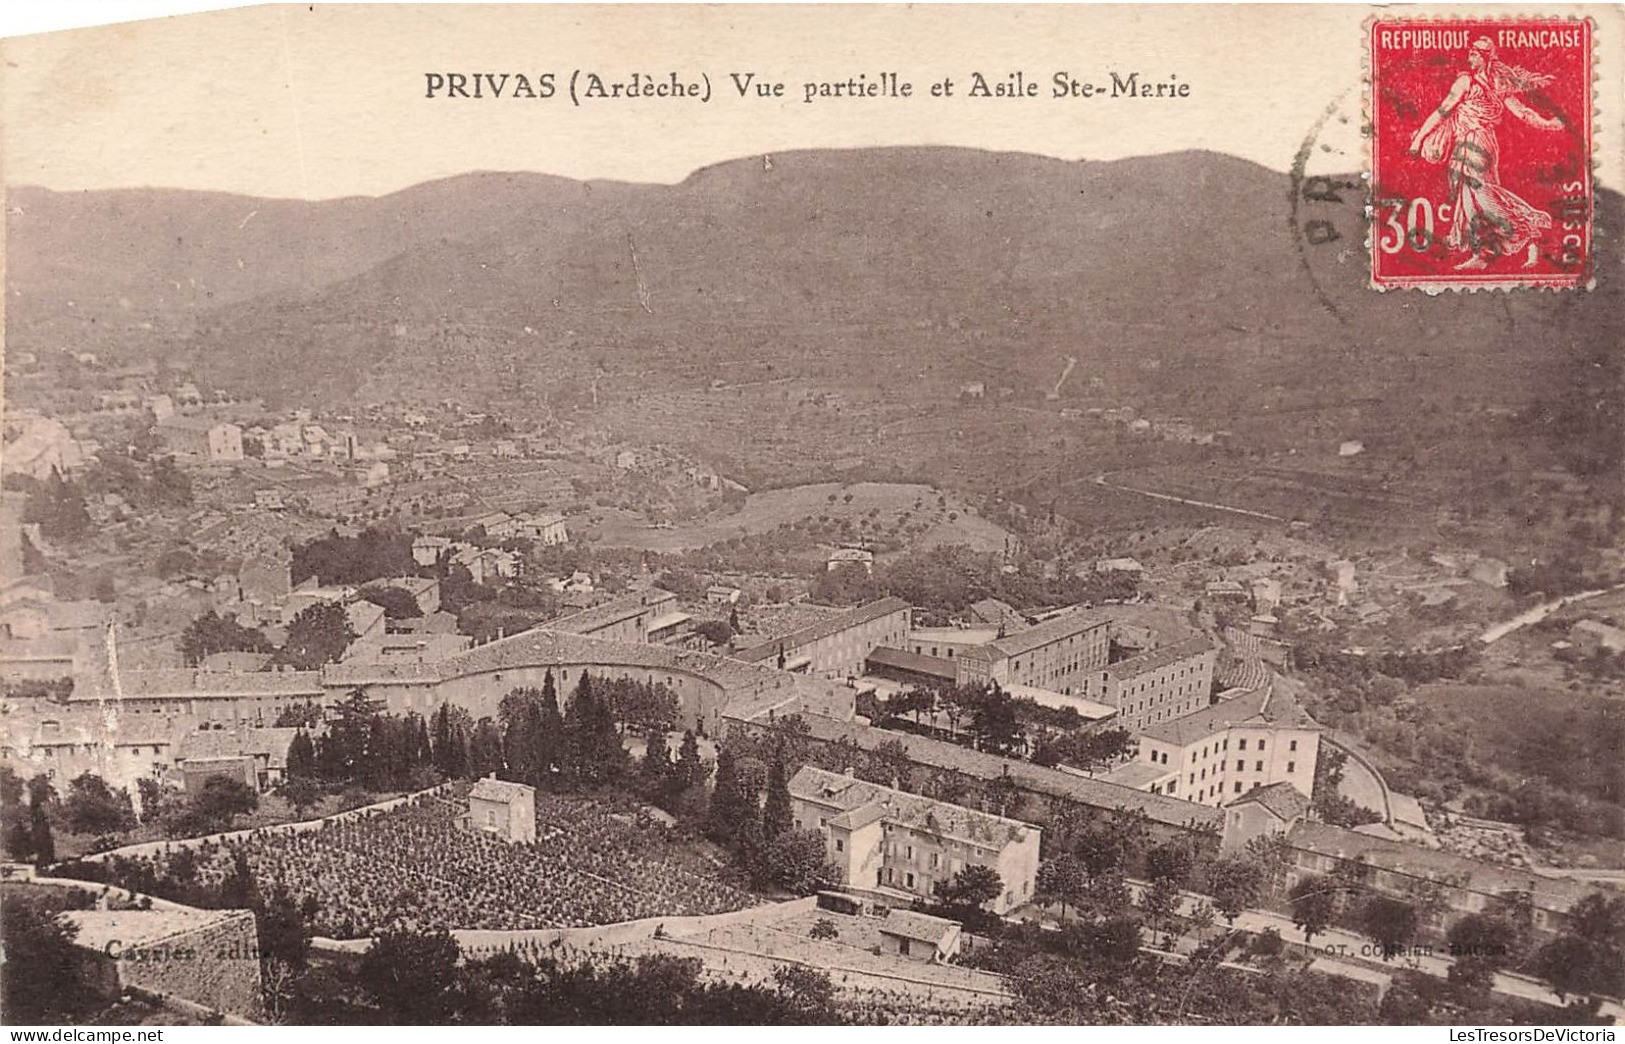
(1241,766)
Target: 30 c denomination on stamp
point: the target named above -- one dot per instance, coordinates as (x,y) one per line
(1480,134)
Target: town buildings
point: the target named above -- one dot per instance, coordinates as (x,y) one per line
(211,440)
(891,840)
(1227,749)
(1061,653)
(837,646)
(1157,685)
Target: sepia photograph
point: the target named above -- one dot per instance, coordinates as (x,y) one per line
(814,515)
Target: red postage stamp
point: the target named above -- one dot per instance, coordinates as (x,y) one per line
(1480,136)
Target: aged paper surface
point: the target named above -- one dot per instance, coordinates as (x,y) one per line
(801,515)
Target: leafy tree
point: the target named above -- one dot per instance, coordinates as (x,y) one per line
(485,749)
(396,602)
(301,792)
(1170,861)
(283,932)
(1391,923)
(40,840)
(824,928)
(318,635)
(592,744)
(1160,901)
(93,808)
(1480,946)
(42,980)
(1314,904)
(1586,959)
(1061,880)
(717,632)
(974,886)
(806,988)
(1235,885)
(795,861)
(58,508)
(656,768)
(411,976)
(212,633)
(220,800)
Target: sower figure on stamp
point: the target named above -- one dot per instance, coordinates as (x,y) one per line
(1486,219)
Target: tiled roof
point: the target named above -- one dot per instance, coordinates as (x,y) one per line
(1097,793)
(612,612)
(489,789)
(1248,708)
(903,660)
(918,813)
(923,927)
(1550,893)
(1156,659)
(1073,621)
(185,682)
(1282,800)
(823,629)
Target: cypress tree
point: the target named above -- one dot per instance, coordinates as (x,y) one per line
(690,769)
(777,816)
(548,734)
(40,834)
(301,756)
(656,767)
(729,812)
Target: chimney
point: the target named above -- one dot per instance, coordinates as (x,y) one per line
(850,772)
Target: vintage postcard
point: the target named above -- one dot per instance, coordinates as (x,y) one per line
(814,515)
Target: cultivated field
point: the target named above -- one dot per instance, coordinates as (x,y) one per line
(590,865)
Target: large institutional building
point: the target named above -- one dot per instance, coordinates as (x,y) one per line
(1221,752)
(893,841)
(837,646)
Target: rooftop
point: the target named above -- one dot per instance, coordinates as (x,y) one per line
(918,663)
(911,925)
(98,929)
(1269,704)
(492,789)
(612,612)
(1156,659)
(1282,800)
(1073,621)
(823,628)
(852,796)
(1550,893)
(1097,793)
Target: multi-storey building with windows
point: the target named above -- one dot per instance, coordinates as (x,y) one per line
(892,841)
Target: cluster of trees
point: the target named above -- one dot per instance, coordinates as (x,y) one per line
(420,977)
(318,635)
(212,633)
(25,817)
(373,554)
(57,506)
(146,482)
(947,580)
(578,748)
(31,813)
(1329,804)
(1583,961)
(1083,749)
(530,741)
(750,815)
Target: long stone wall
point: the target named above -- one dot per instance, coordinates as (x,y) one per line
(153,848)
